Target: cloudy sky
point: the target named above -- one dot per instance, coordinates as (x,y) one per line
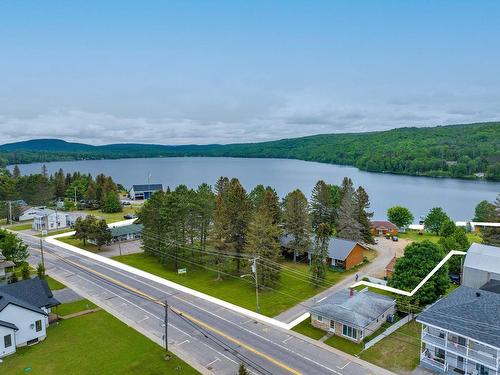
(219,72)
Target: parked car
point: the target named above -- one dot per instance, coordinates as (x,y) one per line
(395,238)
(130,216)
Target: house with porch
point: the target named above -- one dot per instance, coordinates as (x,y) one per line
(461,332)
(352,315)
(382,228)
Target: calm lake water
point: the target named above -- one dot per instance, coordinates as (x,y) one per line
(457,197)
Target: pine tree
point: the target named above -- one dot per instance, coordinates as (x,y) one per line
(205,199)
(363,216)
(44,170)
(297,222)
(16,172)
(238,210)
(220,233)
(243,370)
(262,241)
(319,255)
(322,210)
(491,236)
(348,226)
(25,272)
(257,195)
(271,204)
(40,271)
(59,184)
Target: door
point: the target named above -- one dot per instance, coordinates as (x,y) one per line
(332,326)
(482,370)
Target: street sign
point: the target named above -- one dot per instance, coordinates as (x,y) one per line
(181,271)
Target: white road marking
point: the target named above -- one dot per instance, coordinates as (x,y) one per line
(185,341)
(211,363)
(285,340)
(343,367)
(143,319)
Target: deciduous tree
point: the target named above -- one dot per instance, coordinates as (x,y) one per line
(400,216)
(434,219)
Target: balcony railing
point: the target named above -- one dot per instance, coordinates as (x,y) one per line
(483,358)
(434,340)
(433,363)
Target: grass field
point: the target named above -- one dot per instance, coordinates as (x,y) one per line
(19,227)
(415,236)
(292,287)
(115,216)
(73,307)
(398,352)
(54,284)
(308,330)
(70,240)
(345,345)
(93,344)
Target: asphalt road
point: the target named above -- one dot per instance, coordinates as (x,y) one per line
(211,338)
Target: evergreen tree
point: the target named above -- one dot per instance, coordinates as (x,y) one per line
(322,209)
(40,271)
(152,216)
(271,204)
(221,185)
(220,233)
(362,215)
(262,241)
(25,272)
(319,255)
(16,172)
(297,222)
(243,370)
(238,211)
(205,199)
(59,184)
(257,195)
(44,170)
(348,226)
(491,236)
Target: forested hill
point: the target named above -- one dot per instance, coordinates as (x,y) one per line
(464,151)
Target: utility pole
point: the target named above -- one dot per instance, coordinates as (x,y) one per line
(254,270)
(75,195)
(41,251)
(120,247)
(10,212)
(165,322)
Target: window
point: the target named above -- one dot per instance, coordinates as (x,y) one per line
(38,325)
(332,325)
(7,341)
(349,331)
(320,318)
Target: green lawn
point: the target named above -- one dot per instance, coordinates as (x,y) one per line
(398,352)
(308,330)
(115,216)
(93,344)
(345,345)
(54,284)
(71,240)
(21,227)
(73,307)
(235,289)
(415,236)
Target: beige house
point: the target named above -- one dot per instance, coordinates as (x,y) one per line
(353,315)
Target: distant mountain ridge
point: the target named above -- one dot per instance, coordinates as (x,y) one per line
(463,151)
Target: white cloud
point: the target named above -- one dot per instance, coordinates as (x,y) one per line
(293,116)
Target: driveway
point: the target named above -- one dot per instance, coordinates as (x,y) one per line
(386,249)
(121,248)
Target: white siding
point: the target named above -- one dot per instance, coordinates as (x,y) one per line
(24,319)
(4,331)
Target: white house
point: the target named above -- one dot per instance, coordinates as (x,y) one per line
(24,309)
(28,213)
(48,219)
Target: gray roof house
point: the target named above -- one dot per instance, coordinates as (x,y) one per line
(24,313)
(482,264)
(144,191)
(461,332)
(353,315)
(341,253)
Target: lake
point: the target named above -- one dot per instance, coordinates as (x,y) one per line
(457,197)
